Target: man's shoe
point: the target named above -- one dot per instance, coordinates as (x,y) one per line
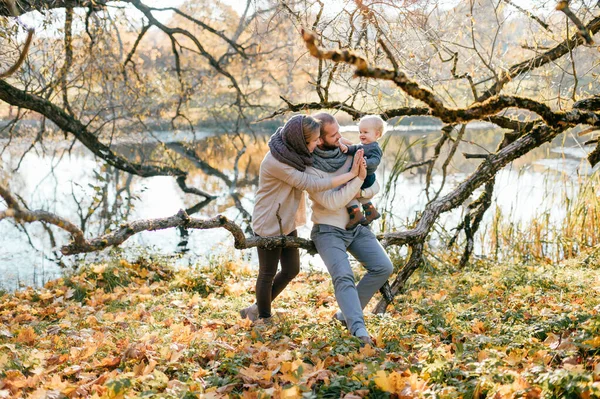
(356,217)
(370,213)
(251,312)
(366,340)
(339,317)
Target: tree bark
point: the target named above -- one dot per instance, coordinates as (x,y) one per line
(25,6)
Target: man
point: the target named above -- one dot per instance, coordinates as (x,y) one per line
(332,240)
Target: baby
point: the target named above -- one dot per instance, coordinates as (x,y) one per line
(371,128)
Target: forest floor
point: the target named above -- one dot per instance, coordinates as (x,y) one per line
(146,329)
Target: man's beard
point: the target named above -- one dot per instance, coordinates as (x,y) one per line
(328,147)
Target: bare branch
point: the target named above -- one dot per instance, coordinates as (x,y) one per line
(25,6)
(21,58)
(339,105)
(529,14)
(583,30)
(553,54)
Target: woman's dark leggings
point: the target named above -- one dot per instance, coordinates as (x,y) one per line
(269,283)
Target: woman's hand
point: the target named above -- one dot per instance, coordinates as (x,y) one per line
(358,159)
(362,170)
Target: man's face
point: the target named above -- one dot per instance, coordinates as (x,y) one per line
(329,141)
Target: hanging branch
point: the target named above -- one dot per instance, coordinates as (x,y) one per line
(15,67)
(68,123)
(478,111)
(15,211)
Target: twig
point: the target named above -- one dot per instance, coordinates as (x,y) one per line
(475,156)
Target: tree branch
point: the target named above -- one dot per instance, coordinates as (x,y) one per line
(583,31)
(553,54)
(21,58)
(120,235)
(68,123)
(478,111)
(529,14)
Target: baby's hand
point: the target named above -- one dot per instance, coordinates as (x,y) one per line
(343,147)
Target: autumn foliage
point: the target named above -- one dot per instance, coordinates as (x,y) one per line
(139,329)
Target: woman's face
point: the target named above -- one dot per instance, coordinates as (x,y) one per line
(314,141)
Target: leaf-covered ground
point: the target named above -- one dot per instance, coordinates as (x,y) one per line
(147,330)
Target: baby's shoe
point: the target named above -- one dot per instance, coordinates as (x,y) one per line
(356,217)
(370,213)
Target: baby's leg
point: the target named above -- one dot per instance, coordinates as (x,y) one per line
(355,214)
(368,207)
(353,202)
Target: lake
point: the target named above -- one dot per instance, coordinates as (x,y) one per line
(65,178)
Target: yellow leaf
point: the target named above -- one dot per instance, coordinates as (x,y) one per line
(552,341)
(291,393)
(381,380)
(514,357)
(368,351)
(98,269)
(245,323)
(482,355)
(87,352)
(595,342)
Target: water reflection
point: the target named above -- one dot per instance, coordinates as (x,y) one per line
(69,182)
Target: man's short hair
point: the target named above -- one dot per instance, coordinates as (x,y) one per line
(324,118)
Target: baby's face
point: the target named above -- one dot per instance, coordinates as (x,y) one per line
(367,132)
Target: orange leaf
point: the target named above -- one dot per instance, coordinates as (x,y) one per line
(27,336)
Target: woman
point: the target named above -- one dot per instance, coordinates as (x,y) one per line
(280,205)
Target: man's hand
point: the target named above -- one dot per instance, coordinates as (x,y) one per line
(358,160)
(345,141)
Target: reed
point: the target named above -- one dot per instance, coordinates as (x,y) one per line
(570,227)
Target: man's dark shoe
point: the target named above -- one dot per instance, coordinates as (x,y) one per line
(356,217)
(370,213)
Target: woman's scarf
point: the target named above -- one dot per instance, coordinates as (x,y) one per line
(289,146)
(328,160)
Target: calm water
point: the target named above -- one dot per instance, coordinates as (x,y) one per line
(69,182)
